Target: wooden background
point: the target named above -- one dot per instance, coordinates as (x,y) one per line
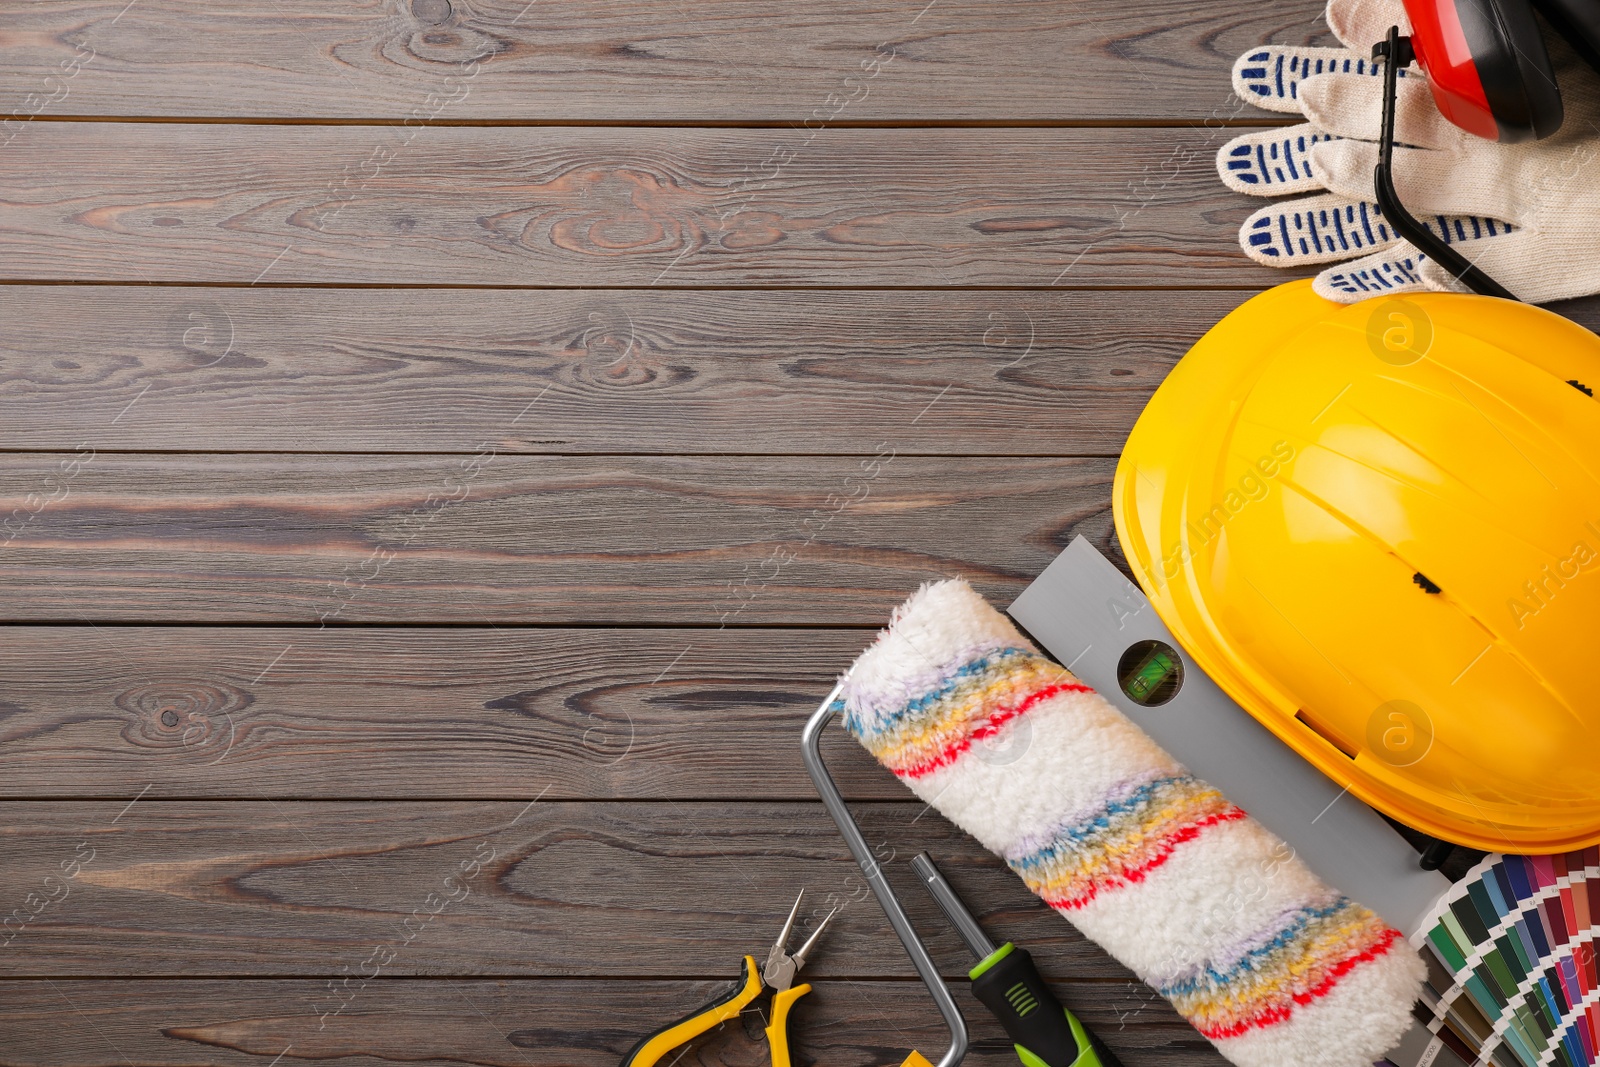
(446,439)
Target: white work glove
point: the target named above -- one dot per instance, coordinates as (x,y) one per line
(1527,214)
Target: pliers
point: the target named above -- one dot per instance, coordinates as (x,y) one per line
(778,974)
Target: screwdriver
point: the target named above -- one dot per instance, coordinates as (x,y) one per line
(1044,1033)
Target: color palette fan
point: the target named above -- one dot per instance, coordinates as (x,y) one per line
(1515,981)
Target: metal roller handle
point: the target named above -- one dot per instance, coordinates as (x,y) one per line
(811,751)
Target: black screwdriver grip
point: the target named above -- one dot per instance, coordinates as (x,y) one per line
(1033,1018)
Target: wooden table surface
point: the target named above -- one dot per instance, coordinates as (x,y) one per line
(447,449)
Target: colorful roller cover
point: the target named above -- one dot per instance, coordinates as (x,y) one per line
(1184,888)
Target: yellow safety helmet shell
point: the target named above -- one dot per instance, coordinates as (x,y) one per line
(1377,527)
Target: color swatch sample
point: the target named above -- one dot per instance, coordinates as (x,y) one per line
(1519,982)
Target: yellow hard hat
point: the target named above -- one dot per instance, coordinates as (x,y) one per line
(1377,527)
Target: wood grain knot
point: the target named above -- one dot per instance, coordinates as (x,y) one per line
(187,714)
(610,211)
(430,12)
(583,725)
(452,48)
(608,350)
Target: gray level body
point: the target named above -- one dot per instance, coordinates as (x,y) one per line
(1086,614)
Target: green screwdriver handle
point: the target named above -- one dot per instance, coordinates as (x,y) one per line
(1045,1033)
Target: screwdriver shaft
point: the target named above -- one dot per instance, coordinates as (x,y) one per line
(977,941)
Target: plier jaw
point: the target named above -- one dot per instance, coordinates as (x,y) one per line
(781,967)
(779,974)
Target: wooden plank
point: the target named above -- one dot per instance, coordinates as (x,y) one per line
(500,60)
(520,888)
(627,370)
(529,1023)
(685,372)
(515,539)
(131,202)
(385,713)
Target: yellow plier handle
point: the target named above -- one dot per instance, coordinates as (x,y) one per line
(727,1006)
(778,1033)
(777,1029)
(650,1049)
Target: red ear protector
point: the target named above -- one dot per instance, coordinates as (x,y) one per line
(1490,75)
(1487,65)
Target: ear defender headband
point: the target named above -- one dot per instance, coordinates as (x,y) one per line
(1396,52)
